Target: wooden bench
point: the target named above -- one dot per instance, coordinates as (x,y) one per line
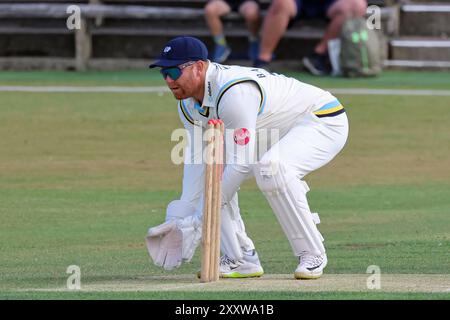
(127,19)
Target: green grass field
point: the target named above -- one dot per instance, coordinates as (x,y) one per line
(83,176)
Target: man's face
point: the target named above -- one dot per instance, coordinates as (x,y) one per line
(187,84)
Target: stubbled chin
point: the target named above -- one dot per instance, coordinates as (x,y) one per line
(177,93)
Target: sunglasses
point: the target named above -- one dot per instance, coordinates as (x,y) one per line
(175,72)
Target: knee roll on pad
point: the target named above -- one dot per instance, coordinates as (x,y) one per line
(286,194)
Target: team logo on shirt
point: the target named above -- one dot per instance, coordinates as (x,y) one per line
(209,89)
(241,136)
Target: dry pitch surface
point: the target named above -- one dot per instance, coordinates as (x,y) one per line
(431,283)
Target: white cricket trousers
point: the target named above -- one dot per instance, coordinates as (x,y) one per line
(309,145)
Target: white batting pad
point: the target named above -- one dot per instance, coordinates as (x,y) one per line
(229,242)
(233,238)
(244,241)
(286,194)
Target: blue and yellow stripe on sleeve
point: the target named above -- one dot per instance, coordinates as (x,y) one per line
(231,83)
(330,109)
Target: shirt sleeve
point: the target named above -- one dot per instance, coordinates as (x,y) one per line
(193,170)
(238,109)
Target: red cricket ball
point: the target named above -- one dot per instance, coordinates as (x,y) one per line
(241,136)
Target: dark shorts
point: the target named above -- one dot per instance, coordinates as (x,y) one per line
(235,4)
(313,8)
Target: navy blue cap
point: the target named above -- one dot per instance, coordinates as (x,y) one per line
(180,50)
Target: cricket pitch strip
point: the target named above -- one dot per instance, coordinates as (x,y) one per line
(432,283)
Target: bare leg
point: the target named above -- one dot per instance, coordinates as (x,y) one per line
(275,25)
(213,11)
(339,12)
(251,13)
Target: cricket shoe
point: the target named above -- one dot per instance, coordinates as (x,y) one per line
(317,64)
(310,266)
(248,267)
(258,63)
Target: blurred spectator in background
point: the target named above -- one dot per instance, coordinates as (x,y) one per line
(249,9)
(282,13)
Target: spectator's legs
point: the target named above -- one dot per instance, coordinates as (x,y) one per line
(275,24)
(250,11)
(214,10)
(340,11)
